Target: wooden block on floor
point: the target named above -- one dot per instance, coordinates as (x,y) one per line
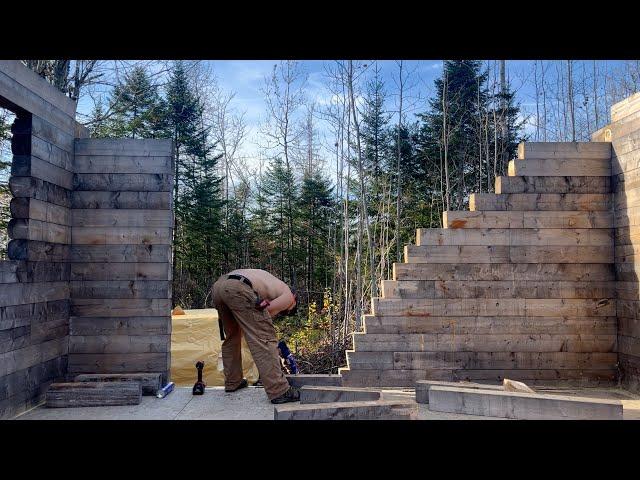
(300,380)
(150,382)
(423,387)
(371,410)
(560,167)
(521,406)
(93,394)
(317,394)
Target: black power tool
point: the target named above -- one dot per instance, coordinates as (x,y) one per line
(198,388)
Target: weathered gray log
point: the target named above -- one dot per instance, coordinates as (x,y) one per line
(120,271)
(118,362)
(523,406)
(150,382)
(93,394)
(301,380)
(34,209)
(39,189)
(121,253)
(30,166)
(124,200)
(14,271)
(120,325)
(124,146)
(372,410)
(123,182)
(317,394)
(423,387)
(121,289)
(526,184)
(35,251)
(122,164)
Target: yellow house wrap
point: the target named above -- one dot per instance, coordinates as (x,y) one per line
(196,336)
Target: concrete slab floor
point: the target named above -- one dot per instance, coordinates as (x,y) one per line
(252,404)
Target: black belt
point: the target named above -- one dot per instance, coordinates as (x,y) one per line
(243,279)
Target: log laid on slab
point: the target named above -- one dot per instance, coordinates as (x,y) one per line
(151,382)
(93,394)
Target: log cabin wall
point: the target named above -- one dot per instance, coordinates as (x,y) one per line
(34,281)
(624,134)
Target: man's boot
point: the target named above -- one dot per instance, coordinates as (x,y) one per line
(291,395)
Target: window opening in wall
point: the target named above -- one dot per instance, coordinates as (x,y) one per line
(6,120)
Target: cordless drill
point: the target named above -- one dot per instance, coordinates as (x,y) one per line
(285,353)
(198,388)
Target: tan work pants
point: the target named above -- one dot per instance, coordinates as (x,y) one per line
(236,305)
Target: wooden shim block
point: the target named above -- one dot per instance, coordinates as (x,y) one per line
(38,210)
(121,235)
(542,201)
(37,88)
(24,293)
(514,236)
(525,406)
(521,219)
(423,387)
(150,382)
(316,394)
(29,229)
(360,410)
(123,200)
(120,325)
(120,271)
(119,363)
(93,394)
(29,166)
(121,253)
(505,360)
(560,167)
(483,343)
(87,307)
(124,146)
(123,182)
(504,271)
(123,164)
(625,107)
(119,344)
(456,254)
(40,190)
(300,380)
(529,184)
(561,254)
(475,325)
(564,150)
(482,307)
(35,251)
(122,218)
(121,289)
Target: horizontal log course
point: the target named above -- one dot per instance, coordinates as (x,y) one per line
(30,187)
(120,271)
(50,153)
(515,405)
(315,394)
(36,251)
(119,363)
(120,325)
(481,360)
(87,307)
(53,135)
(123,164)
(625,107)
(121,253)
(150,382)
(515,236)
(14,271)
(560,167)
(31,208)
(123,182)
(123,200)
(532,307)
(24,358)
(121,235)
(93,394)
(121,289)
(30,166)
(496,289)
(520,219)
(123,146)
(29,229)
(487,325)
(534,184)
(122,218)
(548,377)
(119,344)
(565,150)
(541,201)
(505,271)
(504,254)
(16,316)
(355,410)
(25,293)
